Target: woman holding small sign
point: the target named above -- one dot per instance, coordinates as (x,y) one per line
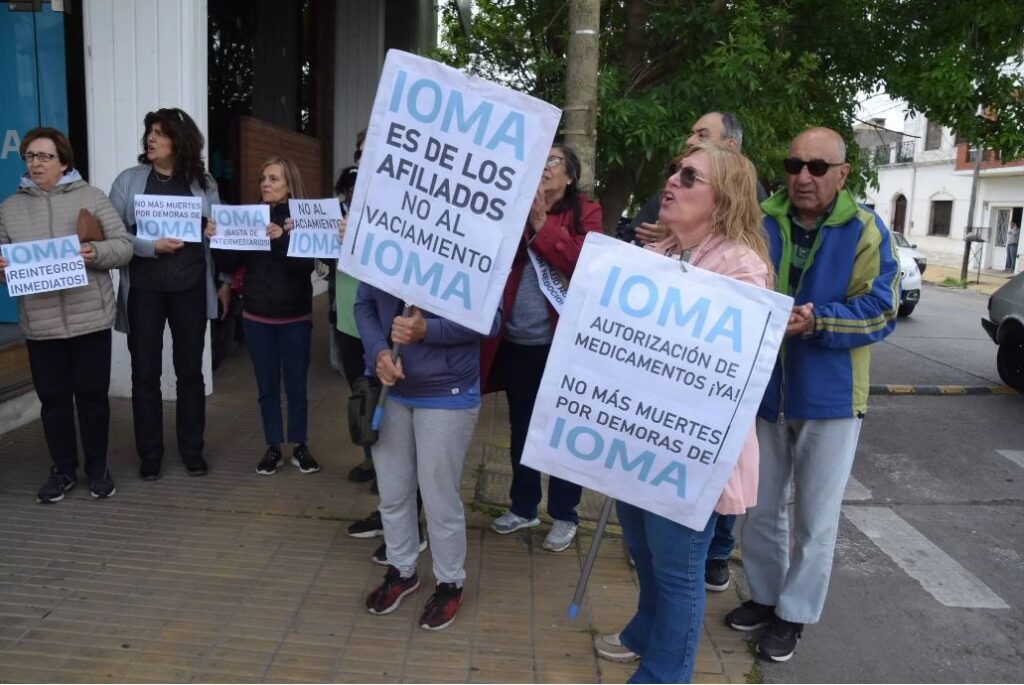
(710,208)
(277,316)
(559,221)
(170,281)
(67,327)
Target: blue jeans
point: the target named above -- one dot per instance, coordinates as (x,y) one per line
(273,348)
(669,561)
(1011,257)
(723,541)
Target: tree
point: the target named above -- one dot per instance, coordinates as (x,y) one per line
(779,65)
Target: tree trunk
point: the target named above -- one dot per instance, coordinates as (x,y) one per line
(580,130)
(620,182)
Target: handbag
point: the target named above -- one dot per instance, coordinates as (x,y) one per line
(361,404)
(88,228)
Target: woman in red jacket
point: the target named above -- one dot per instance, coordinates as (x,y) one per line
(558,223)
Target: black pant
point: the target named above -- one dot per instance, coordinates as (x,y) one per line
(70,373)
(185,312)
(522,367)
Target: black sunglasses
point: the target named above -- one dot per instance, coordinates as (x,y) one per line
(817,167)
(688,176)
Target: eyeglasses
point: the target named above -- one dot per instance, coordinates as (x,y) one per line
(688,176)
(553,161)
(817,167)
(41,156)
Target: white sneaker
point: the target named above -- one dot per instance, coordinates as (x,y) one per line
(560,536)
(610,647)
(510,523)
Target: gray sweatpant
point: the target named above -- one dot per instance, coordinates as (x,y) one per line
(424,448)
(817,457)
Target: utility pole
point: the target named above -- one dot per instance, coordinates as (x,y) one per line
(969,233)
(580,125)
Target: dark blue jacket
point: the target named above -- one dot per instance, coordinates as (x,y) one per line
(448,359)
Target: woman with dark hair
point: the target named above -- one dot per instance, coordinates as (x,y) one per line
(167,282)
(68,331)
(277,316)
(559,221)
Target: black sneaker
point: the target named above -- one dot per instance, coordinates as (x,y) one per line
(380,555)
(362,473)
(369,527)
(302,459)
(196,466)
(750,616)
(271,460)
(102,487)
(55,486)
(716,575)
(149,469)
(779,641)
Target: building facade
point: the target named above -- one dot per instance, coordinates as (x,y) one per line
(924,192)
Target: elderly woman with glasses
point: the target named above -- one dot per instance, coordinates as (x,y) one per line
(68,331)
(710,208)
(559,221)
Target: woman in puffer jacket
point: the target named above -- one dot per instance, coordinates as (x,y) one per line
(68,331)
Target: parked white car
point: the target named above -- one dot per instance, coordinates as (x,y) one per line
(905,246)
(910,282)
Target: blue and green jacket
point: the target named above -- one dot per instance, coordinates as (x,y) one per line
(853,278)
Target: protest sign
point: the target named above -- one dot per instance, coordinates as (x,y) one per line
(241,227)
(40,266)
(315,231)
(552,283)
(653,380)
(449,170)
(169,216)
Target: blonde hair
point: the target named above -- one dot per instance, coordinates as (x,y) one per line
(292,176)
(737,213)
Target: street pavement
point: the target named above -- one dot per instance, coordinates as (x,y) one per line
(927,583)
(236,577)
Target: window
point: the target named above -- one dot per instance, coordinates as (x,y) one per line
(933,137)
(942,213)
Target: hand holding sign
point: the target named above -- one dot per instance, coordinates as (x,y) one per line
(388,370)
(167,245)
(409,329)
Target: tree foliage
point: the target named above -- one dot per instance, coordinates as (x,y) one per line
(779,65)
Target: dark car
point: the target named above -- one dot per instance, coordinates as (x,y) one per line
(1005,325)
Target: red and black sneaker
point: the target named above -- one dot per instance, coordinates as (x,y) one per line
(441,608)
(389,594)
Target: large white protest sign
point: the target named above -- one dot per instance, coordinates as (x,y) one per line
(169,216)
(448,173)
(315,231)
(40,266)
(653,380)
(241,227)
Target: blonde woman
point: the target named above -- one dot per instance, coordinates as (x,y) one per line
(710,209)
(277,317)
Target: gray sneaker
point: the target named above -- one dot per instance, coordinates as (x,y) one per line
(560,536)
(510,523)
(610,647)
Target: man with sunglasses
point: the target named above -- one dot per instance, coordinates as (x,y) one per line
(837,260)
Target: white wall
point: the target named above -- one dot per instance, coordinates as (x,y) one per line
(140,55)
(359,58)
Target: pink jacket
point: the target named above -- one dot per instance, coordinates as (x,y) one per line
(728,258)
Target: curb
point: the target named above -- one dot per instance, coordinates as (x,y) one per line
(937,390)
